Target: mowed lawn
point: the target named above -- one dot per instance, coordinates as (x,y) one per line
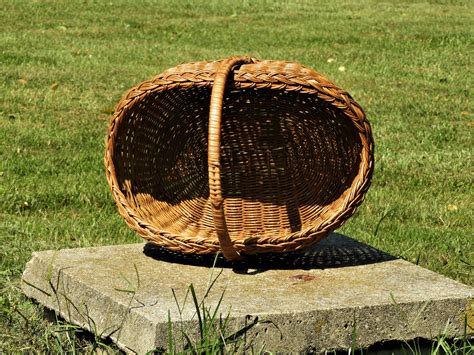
(65,64)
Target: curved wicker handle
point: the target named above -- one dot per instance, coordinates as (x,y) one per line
(214,155)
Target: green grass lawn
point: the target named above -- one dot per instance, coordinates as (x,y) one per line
(65,64)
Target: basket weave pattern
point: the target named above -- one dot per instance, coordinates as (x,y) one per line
(238,155)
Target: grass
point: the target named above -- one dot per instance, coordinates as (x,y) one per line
(215,333)
(65,64)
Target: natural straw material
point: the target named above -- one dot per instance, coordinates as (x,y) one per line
(238,155)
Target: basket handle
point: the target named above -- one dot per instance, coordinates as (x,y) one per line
(214,155)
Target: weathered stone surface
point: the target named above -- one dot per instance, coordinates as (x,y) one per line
(316,300)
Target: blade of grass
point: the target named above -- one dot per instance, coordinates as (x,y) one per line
(197,308)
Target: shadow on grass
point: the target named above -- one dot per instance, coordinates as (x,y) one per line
(335,251)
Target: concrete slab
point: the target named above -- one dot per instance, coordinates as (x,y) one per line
(316,301)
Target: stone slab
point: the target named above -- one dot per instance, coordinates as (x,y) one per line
(316,301)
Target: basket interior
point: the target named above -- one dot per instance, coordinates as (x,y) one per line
(287,158)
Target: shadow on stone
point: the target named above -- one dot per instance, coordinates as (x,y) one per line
(336,250)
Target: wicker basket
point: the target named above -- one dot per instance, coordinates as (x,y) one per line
(277,160)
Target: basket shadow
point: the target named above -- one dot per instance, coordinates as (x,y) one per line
(334,251)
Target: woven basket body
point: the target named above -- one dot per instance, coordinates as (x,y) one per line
(238,155)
